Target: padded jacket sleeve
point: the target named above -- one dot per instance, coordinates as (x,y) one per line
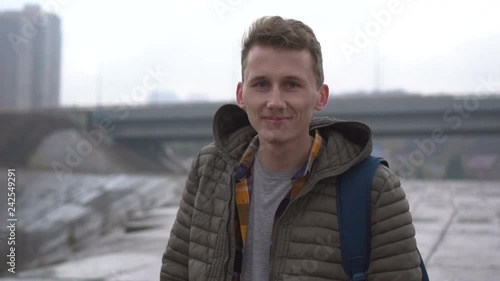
(176,256)
(394,253)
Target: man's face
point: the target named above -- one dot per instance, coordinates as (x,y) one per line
(279,93)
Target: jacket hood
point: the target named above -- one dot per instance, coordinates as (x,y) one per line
(347,142)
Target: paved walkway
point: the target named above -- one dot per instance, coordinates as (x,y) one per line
(458,228)
(458,233)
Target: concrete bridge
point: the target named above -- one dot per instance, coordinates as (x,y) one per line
(386,115)
(154,131)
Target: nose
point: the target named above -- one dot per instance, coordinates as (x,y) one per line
(276,100)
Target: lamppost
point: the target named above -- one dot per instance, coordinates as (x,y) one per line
(99,82)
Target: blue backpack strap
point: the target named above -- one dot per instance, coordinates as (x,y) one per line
(354,216)
(425,276)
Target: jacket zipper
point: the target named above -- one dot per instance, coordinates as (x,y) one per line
(273,248)
(229,267)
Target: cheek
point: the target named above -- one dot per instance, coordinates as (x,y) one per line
(249,102)
(306,108)
(253,105)
(307,114)
(253,117)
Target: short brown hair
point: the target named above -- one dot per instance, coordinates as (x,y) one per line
(283,33)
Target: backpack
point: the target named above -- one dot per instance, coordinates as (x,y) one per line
(354,215)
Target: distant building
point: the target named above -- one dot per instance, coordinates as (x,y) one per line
(482,166)
(30,59)
(159,97)
(197,97)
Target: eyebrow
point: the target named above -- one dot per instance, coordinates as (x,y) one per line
(257,78)
(262,77)
(292,77)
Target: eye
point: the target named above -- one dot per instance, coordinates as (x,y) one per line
(292,85)
(261,84)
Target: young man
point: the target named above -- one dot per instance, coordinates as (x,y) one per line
(260,202)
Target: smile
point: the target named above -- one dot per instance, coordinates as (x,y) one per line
(275,118)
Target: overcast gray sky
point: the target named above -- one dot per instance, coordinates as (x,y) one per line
(426,46)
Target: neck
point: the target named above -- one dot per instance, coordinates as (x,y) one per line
(284,157)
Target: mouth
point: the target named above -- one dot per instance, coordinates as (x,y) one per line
(275,118)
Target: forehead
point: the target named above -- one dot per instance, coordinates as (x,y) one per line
(271,61)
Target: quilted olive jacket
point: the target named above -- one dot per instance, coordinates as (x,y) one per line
(306,238)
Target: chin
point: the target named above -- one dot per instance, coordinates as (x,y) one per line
(273,136)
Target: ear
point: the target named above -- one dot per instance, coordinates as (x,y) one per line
(324,92)
(239,95)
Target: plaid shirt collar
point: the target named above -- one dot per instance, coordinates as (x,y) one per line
(243,173)
(246,163)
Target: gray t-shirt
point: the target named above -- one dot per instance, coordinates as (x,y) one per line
(268,190)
